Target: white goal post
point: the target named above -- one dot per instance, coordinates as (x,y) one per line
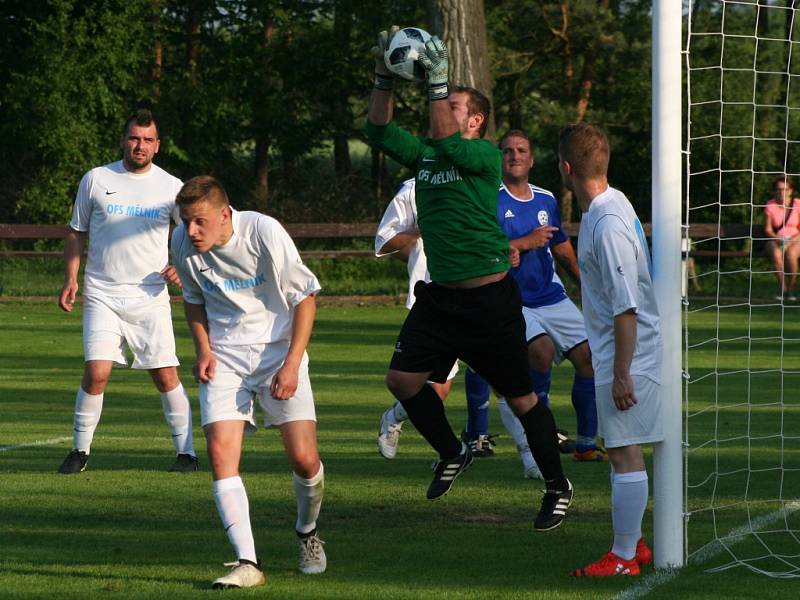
(667,202)
(667,194)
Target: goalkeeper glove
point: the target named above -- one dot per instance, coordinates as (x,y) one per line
(434,60)
(384,80)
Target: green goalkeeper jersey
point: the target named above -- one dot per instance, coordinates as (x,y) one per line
(457,180)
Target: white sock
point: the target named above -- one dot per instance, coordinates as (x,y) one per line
(178,413)
(87,415)
(628,503)
(309,499)
(399,413)
(514,427)
(511,422)
(234,510)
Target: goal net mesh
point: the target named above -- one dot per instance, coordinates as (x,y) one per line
(741,359)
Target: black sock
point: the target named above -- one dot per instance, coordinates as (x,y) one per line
(540,429)
(426,412)
(303,536)
(244,561)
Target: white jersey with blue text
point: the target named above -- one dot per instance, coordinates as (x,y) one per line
(400,216)
(127,216)
(250,286)
(615,278)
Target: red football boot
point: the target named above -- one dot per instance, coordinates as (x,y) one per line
(609,565)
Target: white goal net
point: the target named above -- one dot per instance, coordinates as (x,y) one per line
(741,356)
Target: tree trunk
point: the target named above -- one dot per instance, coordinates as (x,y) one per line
(462,26)
(193,28)
(379,176)
(342,24)
(587,81)
(158,51)
(260,191)
(583,96)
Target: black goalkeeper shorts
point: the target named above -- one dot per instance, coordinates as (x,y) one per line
(482,326)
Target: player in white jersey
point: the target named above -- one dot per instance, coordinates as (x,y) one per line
(398,233)
(249,301)
(621,315)
(126,208)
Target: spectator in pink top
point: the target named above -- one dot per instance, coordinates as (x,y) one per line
(782,227)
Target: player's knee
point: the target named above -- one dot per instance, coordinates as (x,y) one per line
(625,459)
(581,357)
(165,379)
(94,383)
(305,464)
(541,359)
(522,404)
(219,449)
(399,385)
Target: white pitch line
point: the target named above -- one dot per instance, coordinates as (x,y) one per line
(49,442)
(58,440)
(661,577)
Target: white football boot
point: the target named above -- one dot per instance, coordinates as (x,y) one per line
(312,555)
(389,434)
(241,575)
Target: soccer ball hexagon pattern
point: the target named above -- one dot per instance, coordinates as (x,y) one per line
(403,51)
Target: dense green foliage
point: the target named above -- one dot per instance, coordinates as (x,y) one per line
(744,100)
(270,95)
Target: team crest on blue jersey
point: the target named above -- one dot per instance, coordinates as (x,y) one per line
(543,217)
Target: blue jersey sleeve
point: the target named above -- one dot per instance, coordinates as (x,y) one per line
(559,237)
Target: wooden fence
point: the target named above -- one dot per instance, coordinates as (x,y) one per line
(699,232)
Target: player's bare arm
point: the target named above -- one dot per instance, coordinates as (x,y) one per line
(769,230)
(565,255)
(73,251)
(380,100)
(205,366)
(284,384)
(513,254)
(170,275)
(622,389)
(538,238)
(400,242)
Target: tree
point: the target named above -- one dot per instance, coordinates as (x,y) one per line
(462,26)
(73,79)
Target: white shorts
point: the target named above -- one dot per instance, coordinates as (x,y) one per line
(246,372)
(143,324)
(562,322)
(453,372)
(640,424)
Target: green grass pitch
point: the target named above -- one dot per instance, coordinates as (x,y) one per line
(127,529)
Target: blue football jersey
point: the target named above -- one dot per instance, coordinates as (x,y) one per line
(535,275)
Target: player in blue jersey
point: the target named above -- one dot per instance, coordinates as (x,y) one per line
(530,217)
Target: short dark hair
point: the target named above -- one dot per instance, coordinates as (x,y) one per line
(203,188)
(478,103)
(514,133)
(143,118)
(785,179)
(586,148)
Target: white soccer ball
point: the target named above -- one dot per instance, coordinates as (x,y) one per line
(403,51)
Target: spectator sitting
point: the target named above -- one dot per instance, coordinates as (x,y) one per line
(782,226)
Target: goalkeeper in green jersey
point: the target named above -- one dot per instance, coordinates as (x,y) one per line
(471,310)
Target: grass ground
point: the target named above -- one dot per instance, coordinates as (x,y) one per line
(127,529)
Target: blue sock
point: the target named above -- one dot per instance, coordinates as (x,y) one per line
(541,385)
(477,403)
(585,412)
